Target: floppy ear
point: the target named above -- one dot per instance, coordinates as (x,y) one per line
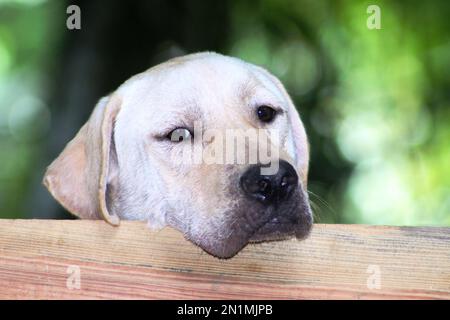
(78,178)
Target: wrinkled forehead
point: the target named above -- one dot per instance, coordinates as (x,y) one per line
(197,86)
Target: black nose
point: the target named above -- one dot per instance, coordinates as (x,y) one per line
(269,189)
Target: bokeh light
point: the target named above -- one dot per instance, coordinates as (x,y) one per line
(375,103)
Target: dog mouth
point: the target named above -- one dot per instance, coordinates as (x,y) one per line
(250,222)
(293,221)
(283,228)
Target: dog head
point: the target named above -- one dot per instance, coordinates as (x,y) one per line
(208,144)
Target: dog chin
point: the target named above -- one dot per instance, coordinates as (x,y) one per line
(294,225)
(271,231)
(224,250)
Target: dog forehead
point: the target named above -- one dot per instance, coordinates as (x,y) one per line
(199,82)
(197,73)
(204,75)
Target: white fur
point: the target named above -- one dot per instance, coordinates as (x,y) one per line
(147,184)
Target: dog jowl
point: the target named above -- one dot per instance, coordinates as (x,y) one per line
(208,144)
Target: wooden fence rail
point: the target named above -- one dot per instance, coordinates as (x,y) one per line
(50,259)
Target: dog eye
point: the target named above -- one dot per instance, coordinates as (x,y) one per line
(266,113)
(179,134)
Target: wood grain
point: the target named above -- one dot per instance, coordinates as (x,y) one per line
(132,262)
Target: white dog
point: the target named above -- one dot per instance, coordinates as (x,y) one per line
(129,160)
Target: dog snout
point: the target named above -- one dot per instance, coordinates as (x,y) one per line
(269,189)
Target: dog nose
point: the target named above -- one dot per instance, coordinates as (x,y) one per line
(269,189)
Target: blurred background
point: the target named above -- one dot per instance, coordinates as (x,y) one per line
(376,103)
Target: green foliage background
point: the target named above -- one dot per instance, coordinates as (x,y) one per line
(376,103)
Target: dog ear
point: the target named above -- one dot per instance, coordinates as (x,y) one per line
(79,177)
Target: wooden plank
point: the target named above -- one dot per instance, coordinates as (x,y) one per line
(38,258)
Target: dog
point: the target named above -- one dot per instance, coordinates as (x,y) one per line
(124,163)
